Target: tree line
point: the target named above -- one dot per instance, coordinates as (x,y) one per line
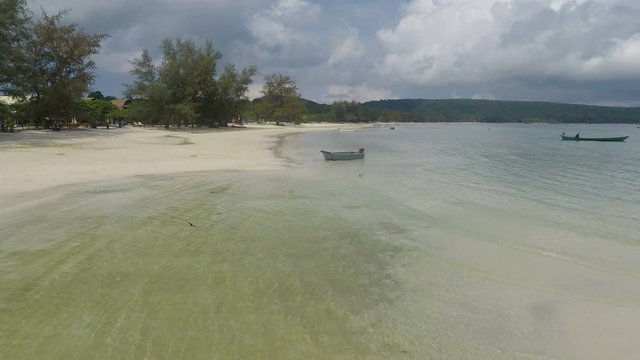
(497,111)
(46,66)
(43,63)
(468,110)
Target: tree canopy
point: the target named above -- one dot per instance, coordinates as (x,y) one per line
(185,88)
(280,100)
(43,62)
(96,111)
(468,110)
(59,68)
(14,21)
(348,111)
(14,32)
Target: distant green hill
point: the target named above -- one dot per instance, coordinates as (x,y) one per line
(315,111)
(311,106)
(459,110)
(314,107)
(467,110)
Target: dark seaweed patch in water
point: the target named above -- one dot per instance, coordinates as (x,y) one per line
(221,189)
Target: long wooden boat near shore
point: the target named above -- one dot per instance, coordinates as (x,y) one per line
(578,138)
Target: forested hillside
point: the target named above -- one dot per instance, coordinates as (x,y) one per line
(465,110)
(420,110)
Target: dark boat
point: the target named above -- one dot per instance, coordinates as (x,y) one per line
(578,138)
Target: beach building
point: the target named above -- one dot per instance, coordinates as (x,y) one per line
(121,104)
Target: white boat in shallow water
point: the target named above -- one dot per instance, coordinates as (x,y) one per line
(343,155)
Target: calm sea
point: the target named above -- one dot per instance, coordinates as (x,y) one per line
(448,241)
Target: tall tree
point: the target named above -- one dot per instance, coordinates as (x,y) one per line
(280,100)
(348,111)
(14,22)
(58,67)
(13,25)
(97,110)
(97,95)
(231,91)
(146,75)
(185,87)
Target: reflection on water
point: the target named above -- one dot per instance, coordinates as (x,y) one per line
(447,241)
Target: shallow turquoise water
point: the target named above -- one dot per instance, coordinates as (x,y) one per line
(464,241)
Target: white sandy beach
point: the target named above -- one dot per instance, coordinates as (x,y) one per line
(38,160)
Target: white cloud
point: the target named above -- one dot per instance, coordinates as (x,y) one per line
(255,91)
(462,42)
(348,49)
(561,50)
(430,38)
(117,61)
(289,9)
(622,59)
(276,26)
(357,93)
(271,33)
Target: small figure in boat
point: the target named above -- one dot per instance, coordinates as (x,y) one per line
(578,136)
(361,150)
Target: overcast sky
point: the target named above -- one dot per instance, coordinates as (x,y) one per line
(579,51)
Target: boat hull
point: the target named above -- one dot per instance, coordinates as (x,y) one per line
(610,139)
(342,155)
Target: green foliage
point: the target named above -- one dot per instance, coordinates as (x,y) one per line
(12,114)
(462,110)
(5,114)
(313,107)
(345,111)
(319,117)
(154,108)
(14,33)
(466,110)
(189,72)
(97,95)
(185,88)
(145,76)
(95,110)
(232,87)
(280,101)
(57,68)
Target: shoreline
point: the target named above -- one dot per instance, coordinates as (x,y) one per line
(32,164)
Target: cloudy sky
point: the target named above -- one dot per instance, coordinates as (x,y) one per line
(579,51)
